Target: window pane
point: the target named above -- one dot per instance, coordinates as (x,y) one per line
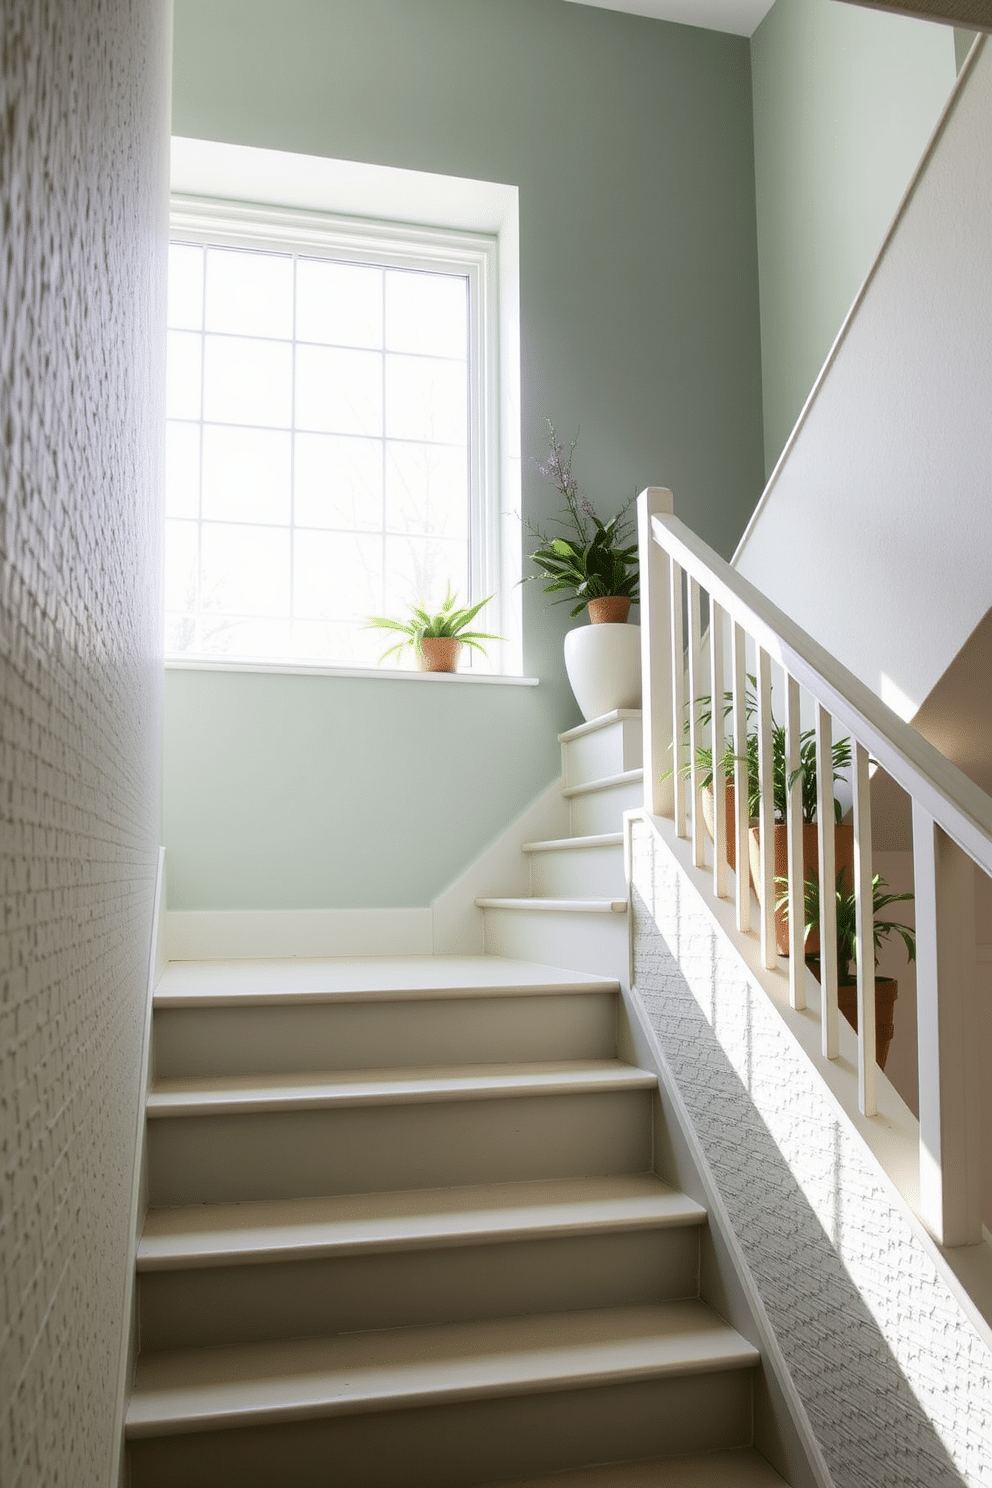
(247,382)
(337,575)
(181,636)
(426,313)
(336,642)
(419,569)
(338,304)
(182,470)
(338,392)
(246,474)
(266,639)
(180,565)
(249,294)
(338,481)
(182,377)
(245,570)
(426,399)
(185,287)
(426,489)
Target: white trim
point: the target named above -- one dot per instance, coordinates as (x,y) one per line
(269,934)
(375,674)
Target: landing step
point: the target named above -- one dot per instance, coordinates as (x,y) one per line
(301,1229)
(743,1469)
(567,844)
(606,782)
(233,1094)
(217,1388)
(558,906)
(594,724)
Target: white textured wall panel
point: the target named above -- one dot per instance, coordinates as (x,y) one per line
(83,133)
(896,1382)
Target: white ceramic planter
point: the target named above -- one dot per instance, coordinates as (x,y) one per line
(603,663)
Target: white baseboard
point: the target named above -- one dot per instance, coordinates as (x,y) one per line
(236,934)
(501,869)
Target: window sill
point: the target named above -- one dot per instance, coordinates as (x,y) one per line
(376,674)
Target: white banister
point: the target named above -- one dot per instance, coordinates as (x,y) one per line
(830,1036)
(766,813)
(655,659)
(718,741)
(796,869)
(741,782)
(695,727)
(865,934)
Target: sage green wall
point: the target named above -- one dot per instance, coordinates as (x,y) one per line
(630,143)
(845,101)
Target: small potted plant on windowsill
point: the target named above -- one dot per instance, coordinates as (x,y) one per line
(886,988)
(436,637)
(593,564)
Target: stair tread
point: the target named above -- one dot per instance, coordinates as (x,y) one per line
(210,1388)
(743,1468)
(200,1095)
(593,725)
(287,1229)
(363,979)
(567,906)
(589,787)
(566,844)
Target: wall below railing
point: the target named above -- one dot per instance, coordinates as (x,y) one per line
(893,1366)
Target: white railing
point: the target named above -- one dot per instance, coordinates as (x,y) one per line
(952,825)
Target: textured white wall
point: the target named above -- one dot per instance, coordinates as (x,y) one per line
(896,1382)
(83,183)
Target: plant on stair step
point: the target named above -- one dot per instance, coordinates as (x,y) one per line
(436,637)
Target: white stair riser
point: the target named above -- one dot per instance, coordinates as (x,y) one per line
(602,810)
(462,1444)
(609,750)
(369,1148)
(240,1304)
(365,1035)
(584,942)
(578,873)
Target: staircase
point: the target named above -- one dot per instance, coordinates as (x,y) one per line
(405,1230)
(576,914)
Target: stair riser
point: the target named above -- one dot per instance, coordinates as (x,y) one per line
(455,1446)
(362,1149)
(602,810)
(366,1035)
(584,942)
(241,1304)
(578,873)
(606,751)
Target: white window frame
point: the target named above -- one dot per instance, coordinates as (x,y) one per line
(267,228)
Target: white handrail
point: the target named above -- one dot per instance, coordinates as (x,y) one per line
(952,831)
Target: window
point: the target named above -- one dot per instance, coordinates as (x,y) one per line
(331,447)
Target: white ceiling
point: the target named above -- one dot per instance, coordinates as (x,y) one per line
(739,16)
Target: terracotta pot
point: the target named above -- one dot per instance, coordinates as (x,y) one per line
(886,992)
(611,610)
(844,858)
(708,820)
(438,654)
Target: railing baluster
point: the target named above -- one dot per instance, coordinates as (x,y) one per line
(829,1031)
(695,728)
(865,931)
(718,740)
(741,783)
(655,658)
(794,817)
(947,1014)
(678,698)
(766,811)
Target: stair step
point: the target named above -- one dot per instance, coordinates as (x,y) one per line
(207,1389)
(603,746)
(598,940)
(572,844)
(285,1229)
(558,906)
(740,1469)
(597,806)
(604,783)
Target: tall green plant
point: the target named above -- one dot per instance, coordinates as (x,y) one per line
(847,920)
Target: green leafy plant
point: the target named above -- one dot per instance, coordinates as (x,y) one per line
(782,782)
(847,910)
(595,559)
(447,623)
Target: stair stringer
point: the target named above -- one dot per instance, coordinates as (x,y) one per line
(871,1336)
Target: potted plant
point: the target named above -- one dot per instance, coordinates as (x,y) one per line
(886,988)
(436,637)
(594,564)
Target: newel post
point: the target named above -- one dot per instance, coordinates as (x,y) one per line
(656,653)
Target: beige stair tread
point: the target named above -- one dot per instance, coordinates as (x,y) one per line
(567,844)
(364,979)
(594,724)
(740,1469)
(293,1229)
(230,1094)
(218,1387)
(605,782)
(558,906)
